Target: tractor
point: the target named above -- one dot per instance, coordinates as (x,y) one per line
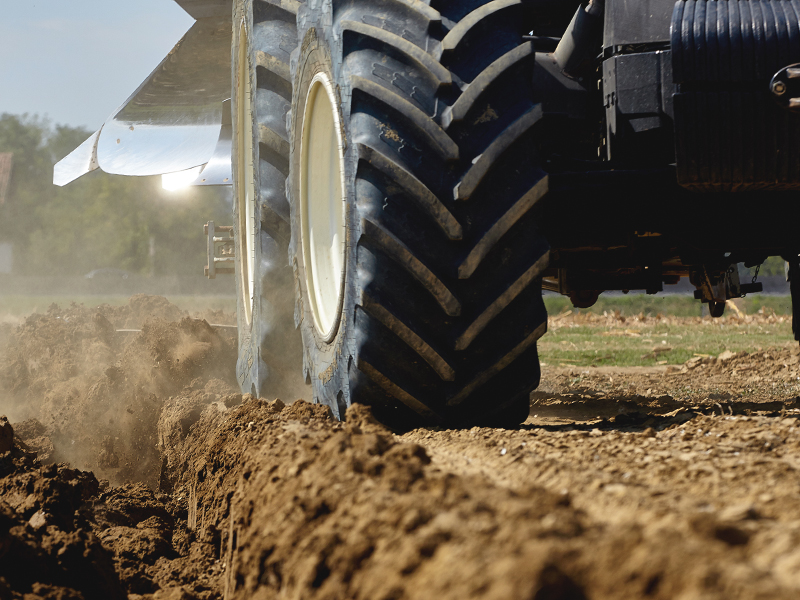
(408,176)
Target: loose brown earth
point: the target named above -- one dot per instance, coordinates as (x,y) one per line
(658,482)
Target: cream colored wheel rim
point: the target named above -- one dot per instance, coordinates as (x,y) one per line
(322,205)
(245,189)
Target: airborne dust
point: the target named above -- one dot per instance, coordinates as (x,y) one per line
(136,469)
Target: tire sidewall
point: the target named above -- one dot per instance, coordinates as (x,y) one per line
(250,370)
(326,362)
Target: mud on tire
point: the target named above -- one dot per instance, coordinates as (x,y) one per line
(441,305)
(270,353)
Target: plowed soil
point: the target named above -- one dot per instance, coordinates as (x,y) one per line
(131,467)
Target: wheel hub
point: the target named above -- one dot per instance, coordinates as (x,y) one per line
(322,205)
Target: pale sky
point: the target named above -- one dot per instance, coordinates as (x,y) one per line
(76,61)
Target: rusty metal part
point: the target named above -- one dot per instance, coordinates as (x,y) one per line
(714,287)
(717,287)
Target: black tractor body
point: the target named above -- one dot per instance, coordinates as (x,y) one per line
(697,162)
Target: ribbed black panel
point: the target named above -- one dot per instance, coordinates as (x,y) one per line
(730,134)
(736,141)
(733,40)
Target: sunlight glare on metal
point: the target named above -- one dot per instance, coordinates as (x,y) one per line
(182,179)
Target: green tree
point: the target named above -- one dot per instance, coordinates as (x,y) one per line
(26,138)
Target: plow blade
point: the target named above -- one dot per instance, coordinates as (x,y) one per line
(174,121)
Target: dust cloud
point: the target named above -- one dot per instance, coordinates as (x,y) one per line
(281,343)
(86,385)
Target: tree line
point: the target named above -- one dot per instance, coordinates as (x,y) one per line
(100,220)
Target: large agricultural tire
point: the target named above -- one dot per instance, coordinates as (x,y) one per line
(412,175)
(270,351)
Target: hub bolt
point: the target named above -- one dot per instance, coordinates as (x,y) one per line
(779,88)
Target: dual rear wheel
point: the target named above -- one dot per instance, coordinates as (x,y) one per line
(385,159)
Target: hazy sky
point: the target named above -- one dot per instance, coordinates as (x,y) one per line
(75,61)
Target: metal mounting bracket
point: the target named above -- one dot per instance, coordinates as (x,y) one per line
(221,250)
(720,287)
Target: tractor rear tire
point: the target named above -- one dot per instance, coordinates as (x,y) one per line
(418,264)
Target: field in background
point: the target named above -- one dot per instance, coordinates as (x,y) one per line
(647,331)
(674,306)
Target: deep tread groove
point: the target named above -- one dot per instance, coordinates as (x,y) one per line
(486,160)
(290,7)
(276,65)
(421,8)
(275,225)
(275,158)
(275,83)
(414,341)
(496,368)
(273,140)
(395,390)
(501,227)
(417,190)
(403,256)
(423,59)
(456,35)
(441,142)
(483,82)
(499,305)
